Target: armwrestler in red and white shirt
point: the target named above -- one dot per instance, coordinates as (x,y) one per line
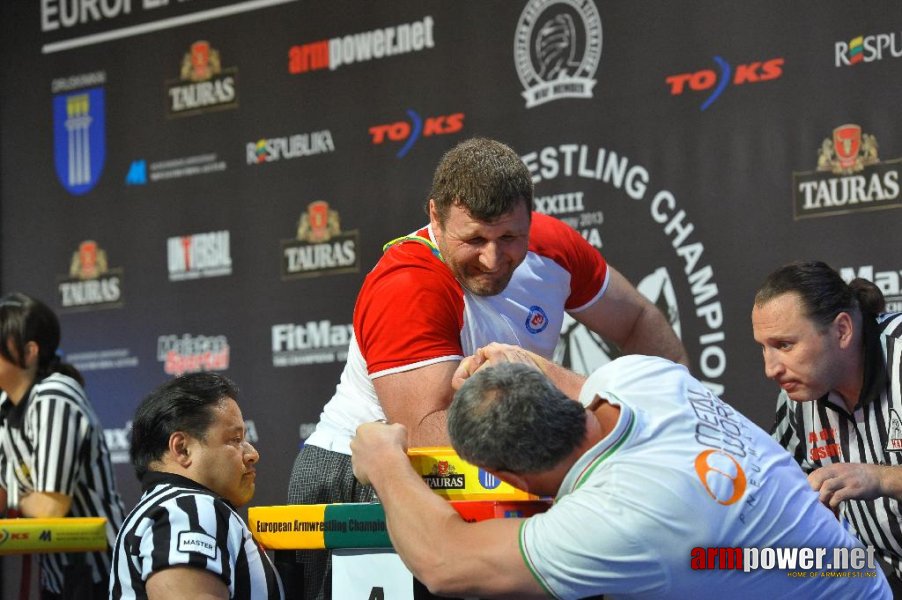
(446,290)
(484,270)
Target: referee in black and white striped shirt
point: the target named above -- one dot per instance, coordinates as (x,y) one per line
(184,538)
(838,359)
(54,461)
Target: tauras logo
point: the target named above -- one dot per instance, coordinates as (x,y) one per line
(849,177)
(203,84)
(91,283)
(320,246)
(591,164)
(449,482)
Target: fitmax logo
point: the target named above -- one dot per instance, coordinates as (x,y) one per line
(410,132)
(700,81)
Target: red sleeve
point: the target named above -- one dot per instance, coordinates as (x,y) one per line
(558,241)
(409,310)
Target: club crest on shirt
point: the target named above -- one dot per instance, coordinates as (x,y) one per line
(201,543)
(536,320)
(894,439)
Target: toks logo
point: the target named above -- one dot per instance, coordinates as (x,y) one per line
(705,79)
(409,133)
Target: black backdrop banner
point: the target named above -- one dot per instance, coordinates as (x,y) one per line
(203,185)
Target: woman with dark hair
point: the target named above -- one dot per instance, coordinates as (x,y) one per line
(54,461)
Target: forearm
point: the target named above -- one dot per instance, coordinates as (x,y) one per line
(448,555)
(891,481)
(431,431)
(44,505)
(653,335)
(418,519)
(563,378)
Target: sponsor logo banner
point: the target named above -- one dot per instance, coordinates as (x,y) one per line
(410,132)
(313,342)
(139,172)
(91,283)
(706,79)
(866,49)
(320,247)
(557,48)
(849,177)
(203,83)
(299,145)
(370,45)
(199,255)
(79,131)
(192,353)
(889,282)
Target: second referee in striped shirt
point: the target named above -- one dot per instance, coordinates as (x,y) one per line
(184,538)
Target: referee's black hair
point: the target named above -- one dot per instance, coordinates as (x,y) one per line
(181,404)
(25,319)
(822,291)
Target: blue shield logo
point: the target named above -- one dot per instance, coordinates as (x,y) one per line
(79,134)
(487,480)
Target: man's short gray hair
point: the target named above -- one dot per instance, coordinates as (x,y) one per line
(511,417)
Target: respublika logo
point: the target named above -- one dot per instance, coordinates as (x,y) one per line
(299,145)
(199,255)
(362,47)
(889,281)
(557,48)
(192,353)
(705,79)
(868,48)
(79,131)
(849,177)
(313,342)
(410,132)
(91,283)
(203,84)
(320,246)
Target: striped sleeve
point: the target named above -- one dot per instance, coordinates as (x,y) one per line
(787,433)
(191,530)
(61,428)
